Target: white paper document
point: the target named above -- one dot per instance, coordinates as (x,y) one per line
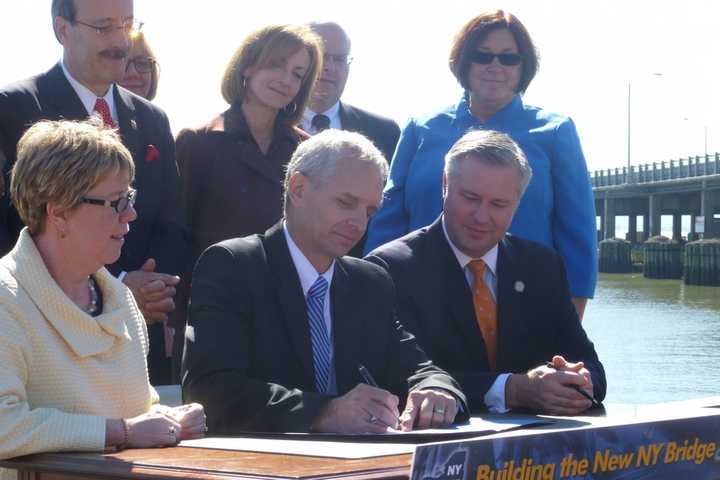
(361,446)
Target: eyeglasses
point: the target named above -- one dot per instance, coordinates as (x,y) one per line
(338,60)
(486,58)
(142,64)
(120,205)
(127,26)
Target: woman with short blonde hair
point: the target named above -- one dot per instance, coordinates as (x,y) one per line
(74,343)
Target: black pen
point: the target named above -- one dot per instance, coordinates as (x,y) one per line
(577,388)
(367,376)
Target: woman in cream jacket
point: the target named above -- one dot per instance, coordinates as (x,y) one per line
(73,371)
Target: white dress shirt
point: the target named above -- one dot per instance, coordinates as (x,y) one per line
(88,98)
(495,396)
(333,113)
(308,275)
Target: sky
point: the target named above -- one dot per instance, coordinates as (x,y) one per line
(590,52)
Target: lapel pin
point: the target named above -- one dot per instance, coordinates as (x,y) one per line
(519,286)
(133,124)
(151,153)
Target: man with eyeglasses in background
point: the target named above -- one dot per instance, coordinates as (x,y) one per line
(96,39)
(325,110)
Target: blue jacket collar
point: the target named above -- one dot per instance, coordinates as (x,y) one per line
(464,117)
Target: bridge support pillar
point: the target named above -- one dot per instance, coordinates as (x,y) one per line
(654,202)
(677,226)
(706,211)
(609,218)
(632,228)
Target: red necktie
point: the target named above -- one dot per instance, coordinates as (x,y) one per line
(103,109)
(485,311)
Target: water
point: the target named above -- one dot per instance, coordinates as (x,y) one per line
(659,340)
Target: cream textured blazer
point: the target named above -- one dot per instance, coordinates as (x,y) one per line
(63,372)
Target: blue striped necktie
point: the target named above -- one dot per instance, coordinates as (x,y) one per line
(319,334)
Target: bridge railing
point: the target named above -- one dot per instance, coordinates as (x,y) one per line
(698,166)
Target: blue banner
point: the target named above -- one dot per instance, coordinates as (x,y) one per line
(672,449)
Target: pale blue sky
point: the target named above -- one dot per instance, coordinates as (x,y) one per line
(589,49)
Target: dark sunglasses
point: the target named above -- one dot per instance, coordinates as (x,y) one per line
(486,58)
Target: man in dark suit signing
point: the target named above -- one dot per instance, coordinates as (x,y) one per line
(281,324)
(490,308)
(96,38)
(326,110)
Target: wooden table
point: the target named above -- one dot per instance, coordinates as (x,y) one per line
(200,463)
(203,463)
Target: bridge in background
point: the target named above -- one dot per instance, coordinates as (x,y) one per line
(677,187)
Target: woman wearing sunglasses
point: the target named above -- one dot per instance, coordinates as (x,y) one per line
(494,60)
(73,374)
(142,70)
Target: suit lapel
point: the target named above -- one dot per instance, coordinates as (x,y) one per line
(510,317)
(347,328)
(457,291)
(128,124)
(290,298)
(58,97)
(249,153)
(348,118)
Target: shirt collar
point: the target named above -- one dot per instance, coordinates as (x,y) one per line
(306,271)
(333,113)
(465,116)
(234,122)
(490,258)
(87,97)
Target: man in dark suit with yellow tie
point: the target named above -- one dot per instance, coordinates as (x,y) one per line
(280,324)
(492,309)
(96,38)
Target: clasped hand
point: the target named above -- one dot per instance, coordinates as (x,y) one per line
(550,389)
(153,291)
(366,409)
(165,426)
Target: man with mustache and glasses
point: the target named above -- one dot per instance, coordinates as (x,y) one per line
(95,35)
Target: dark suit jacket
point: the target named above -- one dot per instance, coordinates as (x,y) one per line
(158,231)
(248,355)
(536,318)
(383,132)
(229,187)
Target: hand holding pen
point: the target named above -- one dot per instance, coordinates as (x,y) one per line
(425,408)
(560,364)
(364,409)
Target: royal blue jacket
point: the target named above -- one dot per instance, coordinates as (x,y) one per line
(557,209)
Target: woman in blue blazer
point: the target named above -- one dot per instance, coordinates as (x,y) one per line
(494,59)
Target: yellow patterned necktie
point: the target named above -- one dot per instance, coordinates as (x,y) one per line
(485,310)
